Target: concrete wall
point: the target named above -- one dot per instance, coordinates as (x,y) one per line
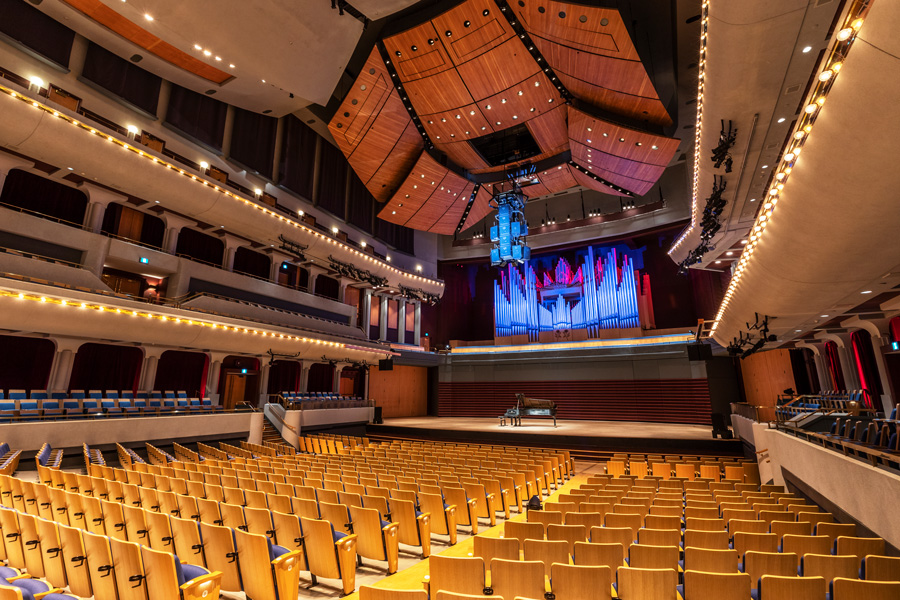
(866,494)
(72,433)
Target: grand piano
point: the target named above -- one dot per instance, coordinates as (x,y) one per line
(531,407)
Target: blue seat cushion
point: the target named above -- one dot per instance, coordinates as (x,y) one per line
(192,572)
(337,535)
(60,597)
(754,594)
(275,551)
(7,572)
(385,524)
(680,589)
(34,586)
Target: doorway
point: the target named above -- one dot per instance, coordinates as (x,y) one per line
(240,386)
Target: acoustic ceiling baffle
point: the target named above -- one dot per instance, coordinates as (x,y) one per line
(532,48)
(469,204)
(584,171)
(398,85)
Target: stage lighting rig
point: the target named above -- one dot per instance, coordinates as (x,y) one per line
(354,272)
(721,154)
(509,234)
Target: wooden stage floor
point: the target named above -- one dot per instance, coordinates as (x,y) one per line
(584,437)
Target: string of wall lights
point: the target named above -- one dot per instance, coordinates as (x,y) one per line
(704,24)
(175,320)
(121,143)
(824,80)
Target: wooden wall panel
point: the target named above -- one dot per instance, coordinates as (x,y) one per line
(659,401)
(402,392)
(480,208)
(767,374)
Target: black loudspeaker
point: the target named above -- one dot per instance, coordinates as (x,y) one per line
(720,426)
(386,365)
(699,352)
(378,419)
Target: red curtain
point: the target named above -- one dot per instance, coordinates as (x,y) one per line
(866,365)
(25,363)
(284,376)
(895,329)
(106,367)
(321,378)
(179,370)
(834,365)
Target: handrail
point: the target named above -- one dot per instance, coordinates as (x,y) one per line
(32,255)
(44,216)
(284,423)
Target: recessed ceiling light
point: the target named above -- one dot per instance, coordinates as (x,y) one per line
(781,120)
(729,253)
(824,316)
(797,330)
(807,49)
(765,166)
(219,58)
(148,17)
(198,47)
(263,80)
(231,66)
(207,53)
(718,262)
(752,199)
(743,242)
(866,292)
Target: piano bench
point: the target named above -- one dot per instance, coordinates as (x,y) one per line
(502,420)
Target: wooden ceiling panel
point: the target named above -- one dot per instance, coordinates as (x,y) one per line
(617,102)
(520,103)
(438,93)
(548,130)
(462,154)
(618,140)
(472,33)
(552,180)
(415,190)
(636,186)
(446,224)
(601,71)
(426,60)
(582,155)
(444,195)
(481,207)
(601,31)
(372,125)
(591,183)
(455,125)
(390,172)
(504,67)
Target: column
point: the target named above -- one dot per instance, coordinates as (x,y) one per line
(8,162)
(343,287)
(401,320)
(277,258)
(174,223)
(99,198)
(417,327)
(314,272)
(336,382)
(264,380)
(887,401)
(365,371)
(212,376)
(822,372)
(382,319)
(366,311)
(232,244)
(304,377)
(848,367)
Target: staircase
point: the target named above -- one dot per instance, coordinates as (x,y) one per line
(270,434)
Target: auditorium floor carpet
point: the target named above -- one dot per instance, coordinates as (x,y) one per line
(584,438)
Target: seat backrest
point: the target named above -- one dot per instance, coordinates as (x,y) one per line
(851,589)
(829,566)
(367,592)
(219,550)
(644,556)
(463,575)
(858,547)
(757,564)
(594,554)
(514,578)
(711,560)
(489,548)
(521,531)
(579,582)
(758,542)
(775,587)
(547,552)
(646,584)
(716,586)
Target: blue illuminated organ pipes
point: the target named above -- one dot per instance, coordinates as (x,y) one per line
(608,293)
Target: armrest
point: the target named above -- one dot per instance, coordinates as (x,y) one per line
(287,557)
(205,586)
(391,528)
(346,543)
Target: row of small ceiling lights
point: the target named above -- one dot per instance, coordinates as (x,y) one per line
(824,80)
(206,52)
(489,107)
(175,320)
(704,23)
(221,190)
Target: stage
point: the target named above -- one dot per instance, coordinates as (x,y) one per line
(586,439)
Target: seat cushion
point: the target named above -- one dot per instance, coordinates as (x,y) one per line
(7,572)
(35,586)
(337,535)
(275,551)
